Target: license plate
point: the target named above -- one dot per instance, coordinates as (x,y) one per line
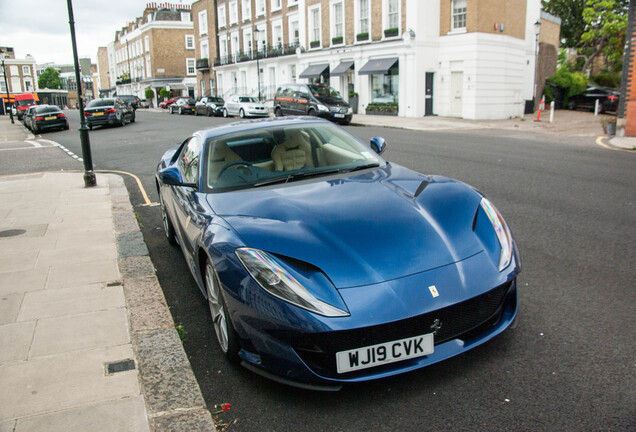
(338,115)
(50,118)
(384,353)
(98,113)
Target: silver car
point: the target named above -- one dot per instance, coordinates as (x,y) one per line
(244,106)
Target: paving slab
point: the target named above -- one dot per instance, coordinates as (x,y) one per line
(15,340)
(64,276)
(23,281)
(78,254)
(9,307)
(11,261)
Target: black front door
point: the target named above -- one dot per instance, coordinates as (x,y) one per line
(428,104)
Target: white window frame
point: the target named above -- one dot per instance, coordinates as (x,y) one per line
(385,16)
(26,70)
(220,16)
(260,8)
(292,3)
(233,12)
(191,66)
(291,38)
(148,67)
(277,31)
(313,26)
(203,22)
(204,48)
(147,43)
(261,37)
(223,53)
(276,5)
(359,17)
(246,10)
(333,31)
(248,44)
(189,42)
(235,44)
(461,11)
(186,17)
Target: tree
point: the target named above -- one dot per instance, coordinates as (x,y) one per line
(164,93)
(50,79)
(572,23)
(605,28)
(149,93)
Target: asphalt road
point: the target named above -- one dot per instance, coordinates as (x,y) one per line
(569,365)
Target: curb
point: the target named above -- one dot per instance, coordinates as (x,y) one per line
(171,393)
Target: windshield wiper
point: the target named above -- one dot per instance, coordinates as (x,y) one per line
(361,167)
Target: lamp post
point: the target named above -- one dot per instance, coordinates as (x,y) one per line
(258,67)
(6,86)
(89,175)
(537,30)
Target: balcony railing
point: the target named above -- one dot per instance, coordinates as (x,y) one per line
(267,52)
(203,64)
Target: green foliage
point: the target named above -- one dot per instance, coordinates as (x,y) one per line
(181,331)
(50,79)
(605,27)
(570,83)
(164,93)
(571,14)
(607,79)
(149,93)
(382,106)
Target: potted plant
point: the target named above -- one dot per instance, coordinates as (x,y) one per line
(353,101)
(609,125)
(337,40)
(362,36)
(391,32)
(314,44)
(382,108)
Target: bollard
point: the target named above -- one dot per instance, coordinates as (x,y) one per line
(596,107)
(551,111)
(541,107)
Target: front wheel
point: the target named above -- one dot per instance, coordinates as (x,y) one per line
(225,333)
(225,113)
(180,111)
(168,228)
(242,113)
(311,113)
(278,112)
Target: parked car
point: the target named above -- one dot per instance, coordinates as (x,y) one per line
(23,101)
(131,100)
(28,116)
(165,104)
(40,118)
(108,111)
(244,106)
(210,106)
(145,103)
(322,263)
(607,99)
(182,106)
(313,100)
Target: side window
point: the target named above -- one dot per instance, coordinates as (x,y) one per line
(189,160)
(302,91)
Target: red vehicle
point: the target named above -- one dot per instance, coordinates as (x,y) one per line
(24,101)
(167,103)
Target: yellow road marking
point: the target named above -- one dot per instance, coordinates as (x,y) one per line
(141,188)
(599,141)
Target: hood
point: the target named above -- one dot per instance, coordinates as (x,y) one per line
(359,230)
(332,101)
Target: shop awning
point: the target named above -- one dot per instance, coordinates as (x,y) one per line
(314,71)
(342,68)
(378,66)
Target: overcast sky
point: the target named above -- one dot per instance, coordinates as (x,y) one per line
(41,27)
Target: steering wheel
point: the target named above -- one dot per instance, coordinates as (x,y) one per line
(233,164)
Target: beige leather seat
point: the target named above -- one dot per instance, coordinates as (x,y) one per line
(294,153)
(221,155)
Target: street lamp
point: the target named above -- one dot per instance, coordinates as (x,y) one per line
(258,67)
(89,175)
(537,30)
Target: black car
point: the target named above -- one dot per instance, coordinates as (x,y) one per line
(40,118)
(210,106)
(313,100)
(607,99)
(108,111)
(182,106)
(131,100)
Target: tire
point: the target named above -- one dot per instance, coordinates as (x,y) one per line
(122,121)
(90,127)
(225,334)
(278,112)
(311,112)
(241,113)
(66,127)
(196,112)
(572,105)
(225,113)
(208,111)
(180,110)
(133,118)
(168,228)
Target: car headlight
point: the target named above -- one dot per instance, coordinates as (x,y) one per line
(349,110)
(213,106)
(322,107)
(281,284)
(501,230)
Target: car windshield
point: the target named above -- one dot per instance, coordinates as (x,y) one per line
(26,102)
(100,103)
(47,109)
(247,99)
(273,155)
(215,100)
(322,91)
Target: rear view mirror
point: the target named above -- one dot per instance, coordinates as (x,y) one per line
(378,145)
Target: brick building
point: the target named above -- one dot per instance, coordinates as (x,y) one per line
(626,116)
(205,46)
(156,50)
(21,77)
(471,59)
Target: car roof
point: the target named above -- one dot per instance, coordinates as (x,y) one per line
(252,125)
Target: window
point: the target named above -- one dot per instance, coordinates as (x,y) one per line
(202,88)
(191,66)
(189,42)
(147,43)
(276,5)
(260,7)
(337,31)
(223,48)
(233,13)
(221,16)
(148,68)
(26,70)
(294,32)
(393,14)
(363,24)
(277,34)
(385,88)
(261,40)
(185,17)
(246,10)
(292,73)
(314,26)
(236,49)
(189,160)
(203,22)
(205,52)
(247,41)
(459,14)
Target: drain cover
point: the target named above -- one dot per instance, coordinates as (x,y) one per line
(120,366)
(12,232)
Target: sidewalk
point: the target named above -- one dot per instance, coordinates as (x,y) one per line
(87,340)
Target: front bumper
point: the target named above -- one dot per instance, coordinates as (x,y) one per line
(336,117)
(252,112)
(51,124)
(298,346)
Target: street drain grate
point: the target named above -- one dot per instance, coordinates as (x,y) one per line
(120,366)
(12,232)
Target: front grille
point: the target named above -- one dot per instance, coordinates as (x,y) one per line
(467,318)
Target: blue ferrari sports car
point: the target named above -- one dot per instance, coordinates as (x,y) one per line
(324,264)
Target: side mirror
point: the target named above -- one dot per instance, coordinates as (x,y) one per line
(378,145)
(172,176)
